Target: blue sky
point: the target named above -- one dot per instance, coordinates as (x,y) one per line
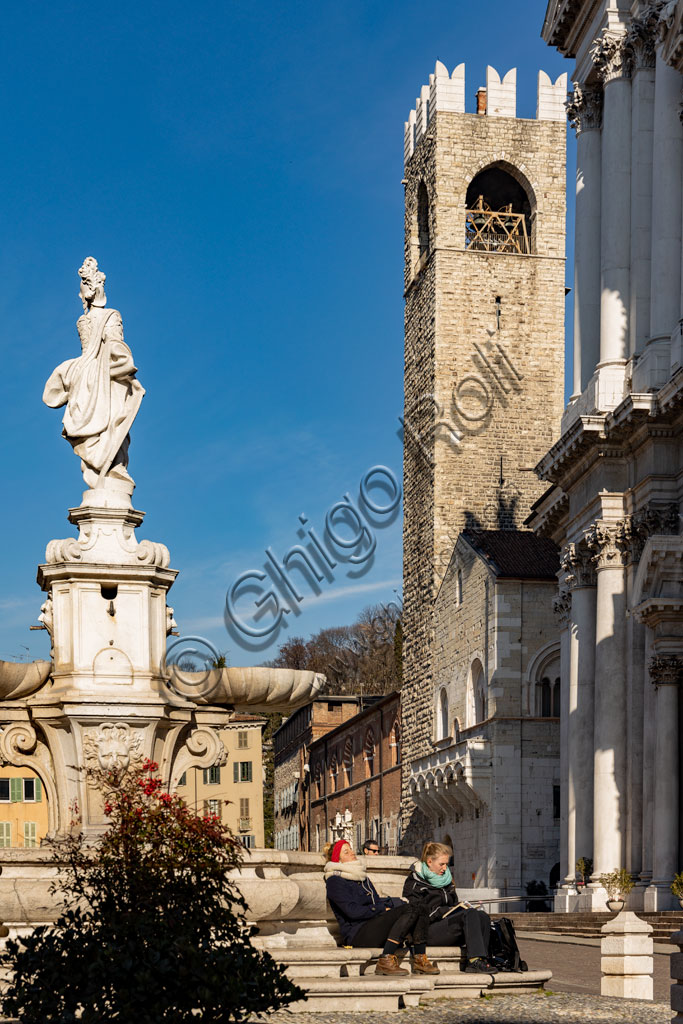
(236,170)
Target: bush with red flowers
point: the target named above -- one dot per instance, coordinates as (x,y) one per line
(152,929)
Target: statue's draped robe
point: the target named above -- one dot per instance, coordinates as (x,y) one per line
(101,394)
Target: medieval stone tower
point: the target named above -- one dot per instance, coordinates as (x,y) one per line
(484,338)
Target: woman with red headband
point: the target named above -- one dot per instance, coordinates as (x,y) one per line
(368,919)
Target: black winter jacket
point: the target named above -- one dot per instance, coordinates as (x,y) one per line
(354,902)
(429,898)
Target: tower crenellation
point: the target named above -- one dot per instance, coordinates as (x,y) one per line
(446,92)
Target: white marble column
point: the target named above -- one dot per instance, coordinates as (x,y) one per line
(649,725)
(642,123)
(562,609)
(580,570)
(666,203)
(613,67)
(607,541)
(584,111)
(666,673)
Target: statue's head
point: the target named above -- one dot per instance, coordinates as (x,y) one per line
(92,284)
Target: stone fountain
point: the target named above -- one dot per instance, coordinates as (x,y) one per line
(108,697)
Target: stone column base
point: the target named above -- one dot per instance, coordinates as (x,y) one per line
(658,896)
(566,900)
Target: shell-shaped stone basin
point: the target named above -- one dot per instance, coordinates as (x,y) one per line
(255,688)
(22,678)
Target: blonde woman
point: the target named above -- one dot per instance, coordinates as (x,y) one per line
(368,919)
(429,888)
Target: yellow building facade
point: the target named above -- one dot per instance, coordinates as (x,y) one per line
(233,791)
(23,808)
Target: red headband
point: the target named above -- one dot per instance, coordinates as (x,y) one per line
(337,849)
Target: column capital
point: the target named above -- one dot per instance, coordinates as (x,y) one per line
(577,562)
(643,35)
(666,670)
(671,34)
(584,109)
(608,544)
(612,58)
(562,606)
(649,521)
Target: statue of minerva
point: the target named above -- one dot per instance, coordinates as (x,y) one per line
(99,388)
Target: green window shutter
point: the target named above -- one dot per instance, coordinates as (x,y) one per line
(249,775)
(5,833)
(235,771)
(15,790)
(29,833)
(205,776)
(39,791)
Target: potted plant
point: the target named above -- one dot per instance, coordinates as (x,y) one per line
(677,887)
(618,884)
(584,868)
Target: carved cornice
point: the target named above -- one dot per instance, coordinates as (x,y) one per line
(562,606)
(652,520)
(584,109)
(577,562)
(612,58)
(608,544)
(666,670)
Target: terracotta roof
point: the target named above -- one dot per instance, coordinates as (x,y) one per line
(516,554)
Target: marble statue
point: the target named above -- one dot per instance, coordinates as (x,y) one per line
(99,388)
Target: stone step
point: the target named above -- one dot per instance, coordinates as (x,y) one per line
(347,977)
(360,994)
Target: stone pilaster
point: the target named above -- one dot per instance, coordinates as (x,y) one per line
(584,110)
(613,63)
(580,577)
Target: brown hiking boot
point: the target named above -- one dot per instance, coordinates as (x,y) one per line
(421,964)
(389,965)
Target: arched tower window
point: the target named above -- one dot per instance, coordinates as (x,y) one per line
(499,213)
(442,723)
(478,694)
(333,773)
(423,219)
(456,730)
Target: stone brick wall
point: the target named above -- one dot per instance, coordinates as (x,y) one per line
(506,371)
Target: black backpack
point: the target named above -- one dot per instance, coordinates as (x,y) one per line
(503,948)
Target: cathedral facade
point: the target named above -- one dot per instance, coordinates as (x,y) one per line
(614,476)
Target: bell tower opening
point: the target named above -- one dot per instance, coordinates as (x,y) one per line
(499,213)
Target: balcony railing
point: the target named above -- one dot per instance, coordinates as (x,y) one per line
(495,230)
(245,824)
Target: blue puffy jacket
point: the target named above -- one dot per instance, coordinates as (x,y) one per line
(355,902)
